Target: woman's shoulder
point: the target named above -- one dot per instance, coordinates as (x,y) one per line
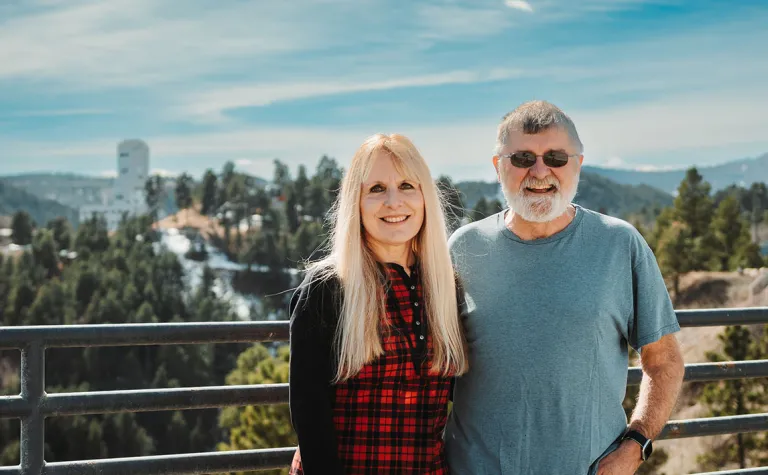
(318,293)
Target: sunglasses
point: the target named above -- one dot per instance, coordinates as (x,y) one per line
(527,159)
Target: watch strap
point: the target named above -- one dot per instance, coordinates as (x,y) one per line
(646,446)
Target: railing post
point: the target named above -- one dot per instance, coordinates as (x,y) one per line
(32,391)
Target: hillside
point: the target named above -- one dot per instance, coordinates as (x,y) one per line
(595,192)
(71,190)
(701,290)
(42,210)
(78,190)
(743,172)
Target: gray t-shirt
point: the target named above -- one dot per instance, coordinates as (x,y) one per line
(548,324)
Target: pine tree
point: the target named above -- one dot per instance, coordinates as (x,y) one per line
(732,235)
(62,232)
(759,195)
(693,203)
(282,177)
(292,208)
(735,397)
(693,207)
(307,242)
(262,426)
(317,205)
(92,237)
(22,228)
(329,175)
(665,218)
(184,191)
(45,252)
(154,191)
(301,186)
(674,253)
(484,208)
(210,192)
(480,210)
(728,227)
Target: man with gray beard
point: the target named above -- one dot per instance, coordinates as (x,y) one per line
(554,296)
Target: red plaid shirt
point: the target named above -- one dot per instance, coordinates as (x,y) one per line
(390,417)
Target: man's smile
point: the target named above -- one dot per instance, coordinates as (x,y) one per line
(541,189)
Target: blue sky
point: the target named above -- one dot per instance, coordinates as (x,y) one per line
(650,84)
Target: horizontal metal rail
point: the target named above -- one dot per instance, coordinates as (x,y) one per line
(713,371)
(33,405)
(136,334)
(69,336)
(744,471)
(706,426)
(104,402)
(176,464)
(716,317)
(143,400)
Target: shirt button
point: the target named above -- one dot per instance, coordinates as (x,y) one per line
(415,304)
(421,337)
(413,287)
(418,322)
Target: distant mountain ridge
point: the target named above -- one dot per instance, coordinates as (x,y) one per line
(41,210)
(742,172)
(595,192)
(68,189)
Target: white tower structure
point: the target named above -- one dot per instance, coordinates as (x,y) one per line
(127,195)
(132,174)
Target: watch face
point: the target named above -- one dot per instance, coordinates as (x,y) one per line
(647,449)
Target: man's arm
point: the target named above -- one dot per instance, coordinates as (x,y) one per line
(663,370)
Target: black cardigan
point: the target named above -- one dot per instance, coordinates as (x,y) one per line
(314,310)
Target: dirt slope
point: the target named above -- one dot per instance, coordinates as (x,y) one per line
(701,290)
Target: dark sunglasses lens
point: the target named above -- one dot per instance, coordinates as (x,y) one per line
(523,159)
(555,158)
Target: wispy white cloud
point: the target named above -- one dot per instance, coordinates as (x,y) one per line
(212,106)
(452,21)
(613,162)
(58,112)
(655,168)
(686,123)
(86,44)
(119,43)
(519,5)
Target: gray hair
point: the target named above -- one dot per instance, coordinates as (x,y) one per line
(535,117)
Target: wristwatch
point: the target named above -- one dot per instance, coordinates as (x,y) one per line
(646,447)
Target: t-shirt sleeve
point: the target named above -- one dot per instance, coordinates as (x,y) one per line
(653,316)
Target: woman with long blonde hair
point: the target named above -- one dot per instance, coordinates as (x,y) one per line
(375,332)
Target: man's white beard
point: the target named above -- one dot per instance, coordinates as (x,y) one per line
(544,208)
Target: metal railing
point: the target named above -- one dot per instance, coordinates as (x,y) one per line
(33,405)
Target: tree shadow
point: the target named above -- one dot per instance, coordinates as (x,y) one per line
(708,293)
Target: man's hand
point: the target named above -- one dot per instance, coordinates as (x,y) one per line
(623,461)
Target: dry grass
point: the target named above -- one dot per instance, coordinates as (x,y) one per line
(701,290)
(191,218)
